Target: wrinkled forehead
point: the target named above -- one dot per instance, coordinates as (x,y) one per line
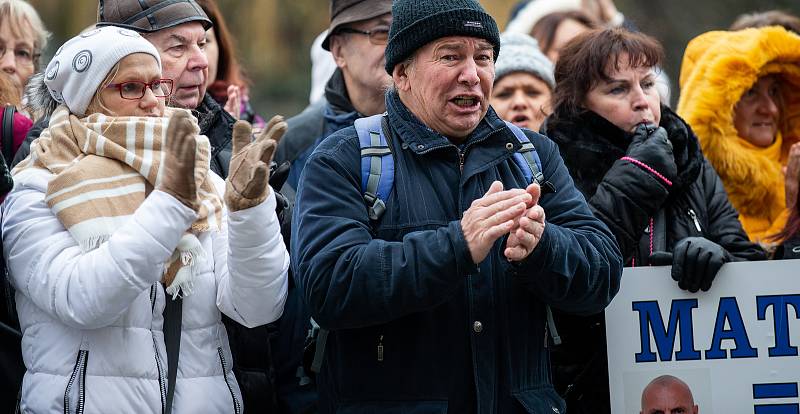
(191,32)
(459,43)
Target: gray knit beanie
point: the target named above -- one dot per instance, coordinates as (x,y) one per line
(521,54)
(418,22)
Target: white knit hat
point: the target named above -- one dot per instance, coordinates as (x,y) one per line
(520,53)
(81,64)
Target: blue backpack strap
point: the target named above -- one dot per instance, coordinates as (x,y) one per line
(527,159)
(377,164)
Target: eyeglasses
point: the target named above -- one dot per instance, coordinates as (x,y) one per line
(133,90)
(22,55)
(376,37)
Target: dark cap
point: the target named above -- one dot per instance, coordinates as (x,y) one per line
(415,23)
(150,15)
(349,11)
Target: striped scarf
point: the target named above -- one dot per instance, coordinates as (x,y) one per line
(104,168)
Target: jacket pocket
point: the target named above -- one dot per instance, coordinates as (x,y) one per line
(393,407)
(75,393)
(237,405)
(541,401)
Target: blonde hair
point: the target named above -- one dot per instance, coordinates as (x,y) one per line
(18,14)
(96,104)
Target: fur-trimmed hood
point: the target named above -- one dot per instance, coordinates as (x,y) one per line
(718,68)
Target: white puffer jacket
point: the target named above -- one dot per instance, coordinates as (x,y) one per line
(92,323)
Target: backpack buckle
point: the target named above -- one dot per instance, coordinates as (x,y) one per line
(375,206)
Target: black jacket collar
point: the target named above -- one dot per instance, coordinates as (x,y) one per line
(590,144)
(336,93)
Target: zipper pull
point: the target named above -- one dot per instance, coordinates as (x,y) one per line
(694,219)
(380,349)
(461,160)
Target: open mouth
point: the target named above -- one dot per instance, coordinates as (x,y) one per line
(520,119)
(464,101)
(763,124)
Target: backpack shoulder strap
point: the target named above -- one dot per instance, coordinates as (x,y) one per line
(8,133)
(377,164)
(527,159)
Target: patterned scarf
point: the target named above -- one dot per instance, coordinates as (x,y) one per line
(104,168)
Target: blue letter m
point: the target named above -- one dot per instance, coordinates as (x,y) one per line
(650,320)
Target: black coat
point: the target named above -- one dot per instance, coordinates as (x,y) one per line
(645,216)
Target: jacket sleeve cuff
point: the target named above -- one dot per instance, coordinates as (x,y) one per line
(463,256)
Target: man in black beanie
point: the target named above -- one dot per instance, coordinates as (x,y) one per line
(420,241)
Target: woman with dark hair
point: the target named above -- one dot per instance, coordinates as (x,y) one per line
(555,30)
(640,167)
(768,18)
(226,80)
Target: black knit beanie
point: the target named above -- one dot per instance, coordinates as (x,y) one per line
(415,23)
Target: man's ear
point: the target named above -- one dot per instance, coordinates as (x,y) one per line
(336,44)
(400,75)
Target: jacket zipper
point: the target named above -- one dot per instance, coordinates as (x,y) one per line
(236,408)
(694,219)
(153,298)
(79,373)
(162,386)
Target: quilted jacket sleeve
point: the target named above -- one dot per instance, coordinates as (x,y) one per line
(251,264)
(625,200)
(86,290)
(724,227)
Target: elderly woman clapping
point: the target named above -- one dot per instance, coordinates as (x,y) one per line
(114,216)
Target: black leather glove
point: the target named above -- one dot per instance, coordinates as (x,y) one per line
(283,207)
(278,174)
(651,145)
(696,261)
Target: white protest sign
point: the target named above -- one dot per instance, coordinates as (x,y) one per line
(735,346)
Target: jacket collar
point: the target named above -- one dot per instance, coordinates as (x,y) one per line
(422,139)
(591,144)
(336,94)
(209,114)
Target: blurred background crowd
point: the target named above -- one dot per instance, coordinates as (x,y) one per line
(273,37)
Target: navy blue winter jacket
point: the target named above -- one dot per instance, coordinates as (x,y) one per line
(455,336)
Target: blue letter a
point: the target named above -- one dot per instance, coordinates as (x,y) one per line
(729,310)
